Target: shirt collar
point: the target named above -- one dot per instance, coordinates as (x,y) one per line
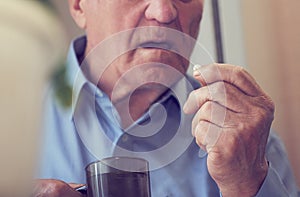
(75,76)
(179,91)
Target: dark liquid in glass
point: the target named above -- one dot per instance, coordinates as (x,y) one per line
(120,184)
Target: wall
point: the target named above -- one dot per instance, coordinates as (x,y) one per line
(62,9)
(272,40)
(232,32)
(28,52)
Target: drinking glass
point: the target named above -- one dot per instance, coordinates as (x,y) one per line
(118,177)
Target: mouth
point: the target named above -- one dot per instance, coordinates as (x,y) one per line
(156,45)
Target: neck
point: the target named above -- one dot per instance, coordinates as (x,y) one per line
(132,107)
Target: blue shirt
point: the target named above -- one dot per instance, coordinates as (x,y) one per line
(89,130)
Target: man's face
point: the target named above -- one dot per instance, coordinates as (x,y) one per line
(107,17)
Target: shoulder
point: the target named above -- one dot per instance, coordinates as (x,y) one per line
(52,106)
(56,118)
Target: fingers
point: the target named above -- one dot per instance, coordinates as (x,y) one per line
(207,135)
(235,75)
(209,112)
(54,188)
(216,114)
(222,93)
(210,120)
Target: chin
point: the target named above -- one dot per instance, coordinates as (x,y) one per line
(159,74)
(153,87)
(157,57)
(151,69)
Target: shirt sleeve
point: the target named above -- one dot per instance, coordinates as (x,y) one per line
(279,180)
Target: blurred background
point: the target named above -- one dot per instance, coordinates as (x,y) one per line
(262,36)
(32,42)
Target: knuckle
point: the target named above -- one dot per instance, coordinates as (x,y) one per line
(264,109)
(270,104)
(207,106)
(261,115)
(239,71)
(217,88)
(53,188)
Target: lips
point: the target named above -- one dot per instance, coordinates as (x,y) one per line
(158,45)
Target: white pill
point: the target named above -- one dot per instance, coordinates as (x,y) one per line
(196,67)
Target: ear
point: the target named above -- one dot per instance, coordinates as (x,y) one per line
(77,11)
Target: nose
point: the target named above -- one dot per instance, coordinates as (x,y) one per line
(163,11)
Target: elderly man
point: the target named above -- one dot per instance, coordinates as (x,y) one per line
(120,96)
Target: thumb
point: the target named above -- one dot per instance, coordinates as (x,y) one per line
(208,74)
(198,74)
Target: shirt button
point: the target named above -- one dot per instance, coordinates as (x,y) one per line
(125,138)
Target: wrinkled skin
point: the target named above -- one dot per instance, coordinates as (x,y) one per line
(236,157)
(55,188)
